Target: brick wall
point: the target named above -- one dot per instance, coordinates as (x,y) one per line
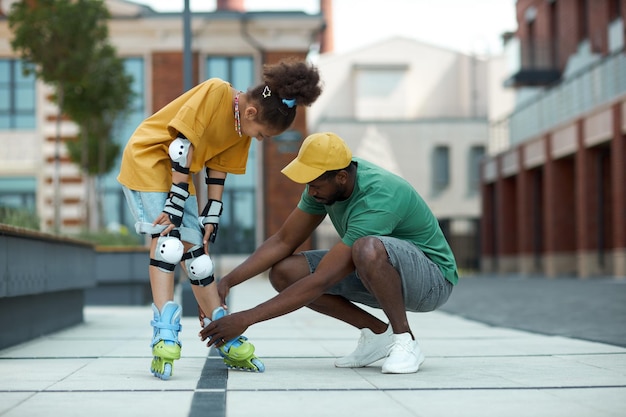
(281,194)
(167,77)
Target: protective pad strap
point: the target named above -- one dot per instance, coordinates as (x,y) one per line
(167,326)
(174,205)
(173,233)
(162,265)
(212,212)
(211,215)
(209,180)
(202,282)
(216,181)
(195,252)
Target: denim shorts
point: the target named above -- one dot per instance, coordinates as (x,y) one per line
(424,287)
(146,207)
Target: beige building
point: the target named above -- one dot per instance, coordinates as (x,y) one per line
(422,112)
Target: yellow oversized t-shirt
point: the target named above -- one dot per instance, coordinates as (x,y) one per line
(205,116)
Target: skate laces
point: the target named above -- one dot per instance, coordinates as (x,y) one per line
(218,313)
(236,342)
(403,345)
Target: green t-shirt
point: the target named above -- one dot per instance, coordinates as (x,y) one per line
(383,204)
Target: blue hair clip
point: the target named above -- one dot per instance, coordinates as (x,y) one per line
(289,102)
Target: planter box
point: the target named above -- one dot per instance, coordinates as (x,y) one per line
(42,283)
(121,275)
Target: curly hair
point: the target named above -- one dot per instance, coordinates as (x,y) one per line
(287,84)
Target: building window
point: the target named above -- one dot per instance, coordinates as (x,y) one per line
(17,96)
(238,223)
(18,193)
(476,155)
(441,168)
(238,70)
(115,211)
(380,92)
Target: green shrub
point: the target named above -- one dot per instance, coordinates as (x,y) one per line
(19,218)
(109,238)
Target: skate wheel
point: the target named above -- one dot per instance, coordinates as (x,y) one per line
(259,365)
(167,371)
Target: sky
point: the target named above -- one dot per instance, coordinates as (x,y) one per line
(469,26)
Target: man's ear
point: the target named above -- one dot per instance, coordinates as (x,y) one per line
(342,177)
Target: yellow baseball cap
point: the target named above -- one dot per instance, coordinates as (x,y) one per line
(320,152)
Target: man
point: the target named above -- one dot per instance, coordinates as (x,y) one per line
(392,255)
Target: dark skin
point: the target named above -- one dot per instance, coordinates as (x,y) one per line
(297,287)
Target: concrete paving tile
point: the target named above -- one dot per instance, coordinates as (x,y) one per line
(503,372)
(496,403)
(615,363)
(8,400)
(105,404)
(130,374)
(551,371)
(605,402)
(296,374)
(313,404)
(37,374)
(522,344)
(280,348)
(52,347)
(449,374)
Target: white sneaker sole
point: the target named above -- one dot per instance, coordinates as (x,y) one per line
(411,370)
(344,363)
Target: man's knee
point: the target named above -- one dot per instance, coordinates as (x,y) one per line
(288,271)
(367,250)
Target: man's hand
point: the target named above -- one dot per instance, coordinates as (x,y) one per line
(201,316)
(222,330)
(222,290)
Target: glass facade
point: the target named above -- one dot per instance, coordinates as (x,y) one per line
(114,209)
(17,96)
(18,193)
(238,222)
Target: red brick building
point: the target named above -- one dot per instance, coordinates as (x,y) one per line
(554,193)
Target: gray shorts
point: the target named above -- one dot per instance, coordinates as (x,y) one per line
(146,207)
(424,286)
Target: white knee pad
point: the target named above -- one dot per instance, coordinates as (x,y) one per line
(199,266)
(168,252)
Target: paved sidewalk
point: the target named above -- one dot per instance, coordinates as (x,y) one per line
(100,368)
(591,309)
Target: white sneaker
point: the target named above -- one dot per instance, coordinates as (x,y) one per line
(371,347)
(405,356)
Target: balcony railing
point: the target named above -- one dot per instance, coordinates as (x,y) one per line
(599,83)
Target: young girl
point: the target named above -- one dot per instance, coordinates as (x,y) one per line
(210,126)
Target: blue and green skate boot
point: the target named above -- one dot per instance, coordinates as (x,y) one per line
(165,343)
(237,353)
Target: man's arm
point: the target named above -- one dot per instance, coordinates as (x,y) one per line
(335,265)
(296,229)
